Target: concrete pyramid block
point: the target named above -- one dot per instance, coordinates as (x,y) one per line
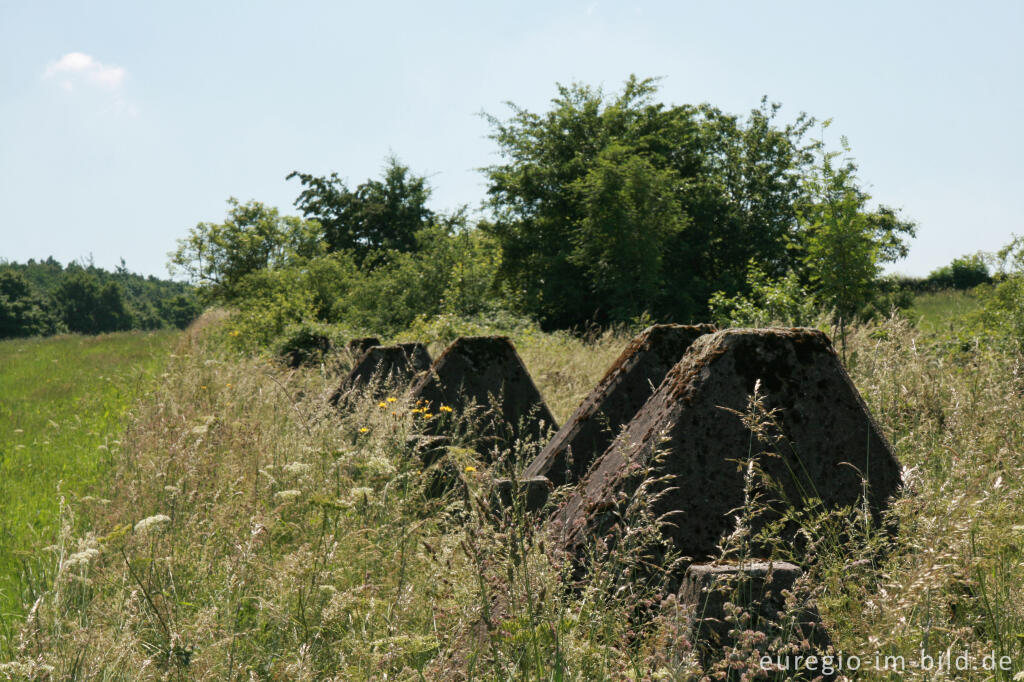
(826,441)
(626,386)
(388,366)
(419,358)
(356,347)
(485,370)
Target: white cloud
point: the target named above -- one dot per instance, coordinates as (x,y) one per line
(80,67)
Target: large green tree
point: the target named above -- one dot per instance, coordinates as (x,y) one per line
(606,207)
(629,216)
(377,216)
(253,237)
(844,243)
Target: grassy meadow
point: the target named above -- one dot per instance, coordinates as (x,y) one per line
(63,403)
(253,533)
(943,311)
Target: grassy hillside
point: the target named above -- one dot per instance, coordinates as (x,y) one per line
(253,533)
(62,406)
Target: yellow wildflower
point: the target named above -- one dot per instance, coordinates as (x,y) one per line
(427,415)
(382,404)
(392,399)
(470,469)
(445,408)
(364,430)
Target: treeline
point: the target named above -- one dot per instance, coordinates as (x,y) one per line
(963,273)
(601,210)
(45,297)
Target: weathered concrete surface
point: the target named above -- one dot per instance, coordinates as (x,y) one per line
(626,386)
(356,347)
(479,370)
(827,438)
(387,367)
(756,586)
(312,351)
(528,494)
(419,358)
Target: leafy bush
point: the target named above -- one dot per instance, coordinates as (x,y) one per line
(1002,311)
(770,301)
(1002,301)
(268,302)
(964,272)
(253,237)
(307,343)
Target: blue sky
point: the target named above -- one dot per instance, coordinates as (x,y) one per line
(123,124)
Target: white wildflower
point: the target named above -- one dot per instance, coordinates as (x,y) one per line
(156,521)
(380,466)
(360,495)
(81,558)
(27,669)
(287,495)
(296,468)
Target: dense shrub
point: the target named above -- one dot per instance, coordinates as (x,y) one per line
(964,272)
(1002,312)
(781,301)
(307,343)
(1002,300)
(451,274)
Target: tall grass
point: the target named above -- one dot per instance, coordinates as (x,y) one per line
(254,533)
(62,408)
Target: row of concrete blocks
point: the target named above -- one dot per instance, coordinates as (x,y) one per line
(666,420)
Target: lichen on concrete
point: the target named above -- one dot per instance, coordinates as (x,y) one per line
(620,394)
(825,441)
